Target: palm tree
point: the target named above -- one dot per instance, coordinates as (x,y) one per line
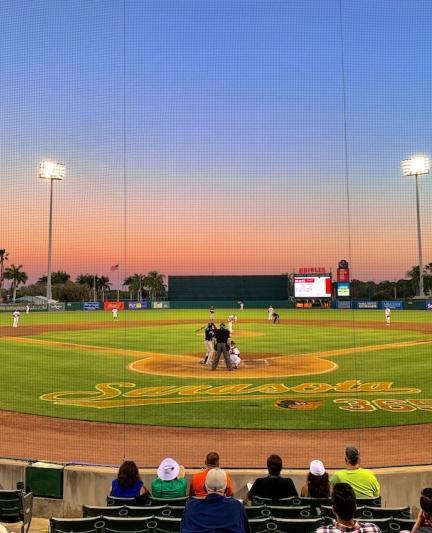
(103,284)
(414,274)
(86,279)
(135,284)
(154,283)
(3,257)
(17,276)
(57,278)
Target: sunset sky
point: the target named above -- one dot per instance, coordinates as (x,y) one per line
(234,134)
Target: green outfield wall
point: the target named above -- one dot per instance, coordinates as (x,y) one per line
(228,288)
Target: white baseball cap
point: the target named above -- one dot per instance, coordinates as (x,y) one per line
(317,468)
(168,469)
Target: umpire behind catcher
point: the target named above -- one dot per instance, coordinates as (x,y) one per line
(222,335)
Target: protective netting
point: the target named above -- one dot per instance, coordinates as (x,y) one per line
(227,140)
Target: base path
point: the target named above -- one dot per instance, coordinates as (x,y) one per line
(55,439)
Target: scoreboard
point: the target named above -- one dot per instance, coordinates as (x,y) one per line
(312,286)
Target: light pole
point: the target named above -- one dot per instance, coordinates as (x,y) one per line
(49,170)
(417,166)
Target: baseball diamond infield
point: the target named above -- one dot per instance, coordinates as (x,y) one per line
(322,393)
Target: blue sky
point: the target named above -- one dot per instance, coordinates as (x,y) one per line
(234,121)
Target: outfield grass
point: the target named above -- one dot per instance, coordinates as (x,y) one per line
(30,371)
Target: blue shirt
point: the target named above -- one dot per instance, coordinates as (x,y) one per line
(215,513)
(125,492)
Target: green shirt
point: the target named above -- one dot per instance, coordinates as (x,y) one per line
(363,482)
(176,488)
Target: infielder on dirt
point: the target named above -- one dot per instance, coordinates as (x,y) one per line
(16,317)
(387,314)
(270,313)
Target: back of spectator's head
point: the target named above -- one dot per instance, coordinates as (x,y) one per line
(216,480)
(274,465)
(344,501)
(352,455)
(212,459)
(128,474)
(426,501)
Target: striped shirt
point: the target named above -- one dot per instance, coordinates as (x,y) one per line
(363,527)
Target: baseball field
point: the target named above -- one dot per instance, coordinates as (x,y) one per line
(317,369)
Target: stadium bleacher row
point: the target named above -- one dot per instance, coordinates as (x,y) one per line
(290,515)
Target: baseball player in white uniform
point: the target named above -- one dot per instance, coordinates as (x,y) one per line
(234,354)
(115,313)
(387,314)
(16,317)
(231,320)
(270,313)
(27,309)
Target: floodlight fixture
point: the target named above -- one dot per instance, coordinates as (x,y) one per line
(52,171)
(417,165)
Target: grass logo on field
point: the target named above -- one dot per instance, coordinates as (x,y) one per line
(299,405)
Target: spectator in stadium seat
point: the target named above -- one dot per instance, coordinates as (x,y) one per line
(215,512)
(317,482)
(171,481)
(197,484)
(362,480)
(344,508)
(424,520)
(128,483)
(274,486)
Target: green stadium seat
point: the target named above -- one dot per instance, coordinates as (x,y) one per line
(327,510)
(90,511)
(256,511)
(77,525)
(16,506)
(145,524)
(400,524)
(168,524)
(382,523)
(113,500)
(385,512)
(169,501)
(291,511)
(298,525)
(283,502)
(156,510)
(261,525)
(369,502)
(314,503)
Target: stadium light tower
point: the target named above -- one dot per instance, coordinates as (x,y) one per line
(49,170)
(417,166)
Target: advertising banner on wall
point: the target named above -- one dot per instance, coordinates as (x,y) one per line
(21,307)
(344,304)
(392,304)
(343,290)
(138,305)
(57,307)
(160,305)
(92,306)
(362,304)
(109,306)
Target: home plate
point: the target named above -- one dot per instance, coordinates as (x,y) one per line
(254,363)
